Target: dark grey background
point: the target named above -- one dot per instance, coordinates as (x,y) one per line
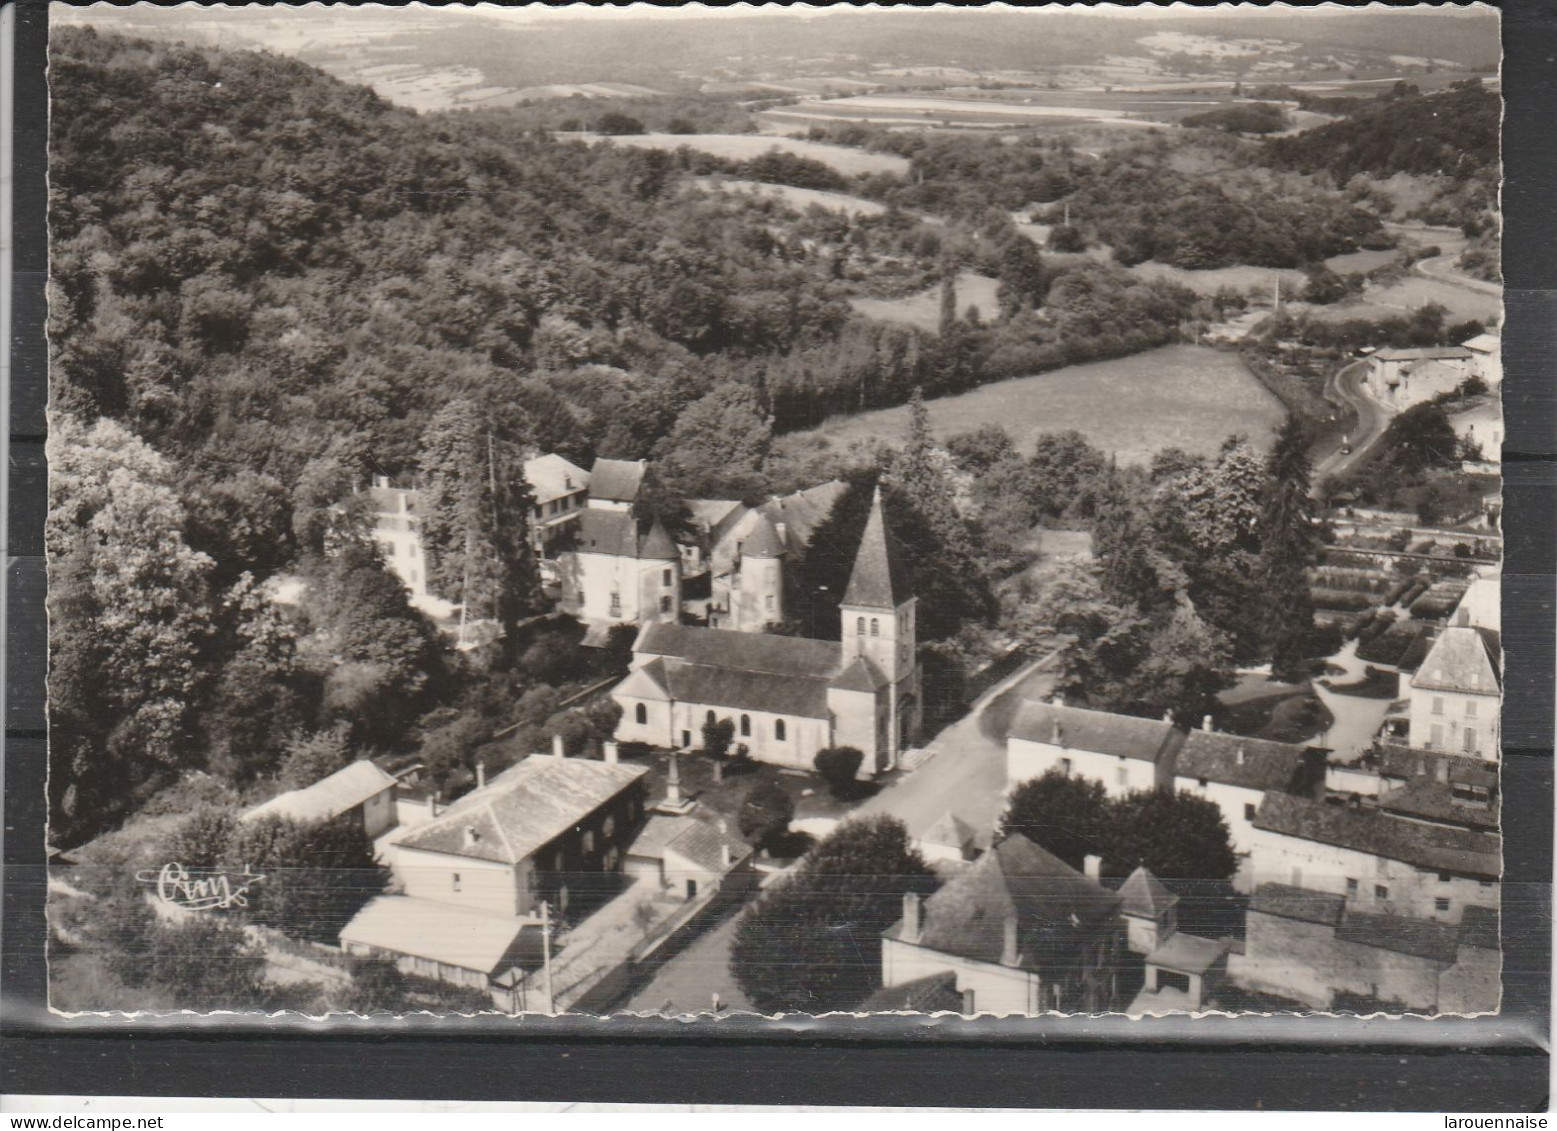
(1270,1063)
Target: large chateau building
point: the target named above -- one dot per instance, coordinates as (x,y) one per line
(788,697)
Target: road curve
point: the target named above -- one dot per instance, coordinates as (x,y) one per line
(1345,387)
(1439,267)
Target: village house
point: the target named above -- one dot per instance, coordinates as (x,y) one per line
(559,488)
(1401,378)
(1150,911)
(1456,791)
(1376,862)
(1126,754)
(1486,359)
(621,570)
(1481,424)
(744,538)
(1310,947)
(790,697)
(1183,974)
(361,789)
(687,857)
(1456,693)
(548,829)
(1019,932)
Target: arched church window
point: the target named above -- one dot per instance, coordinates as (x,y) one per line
(778,730)
(709,718)
(859,627)
(745,726)
(875,627)
(641,713)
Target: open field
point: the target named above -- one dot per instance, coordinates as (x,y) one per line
(1189,397)
(924,309)
(799,198)
(1412,292)
(1240,278)
(743,147)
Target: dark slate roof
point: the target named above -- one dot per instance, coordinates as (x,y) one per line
(803,511)
(1431,847)
(1479,928)
(1429,800)
(616,480)
(618,533)
(1055,906)
(1288,902)
(1463,659)
(934,993)
(1421,938)
(1099,731)
(746,651)
(879,580)
(1409,763)
(762,542)
(861,675)
(703,842)
(523,808)
(741,690)
(1144,895)
(1214,756)
(1188,954)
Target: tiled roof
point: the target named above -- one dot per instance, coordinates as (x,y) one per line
(523,808)
(747,651)
(703,842)
(951,831)
(1188,954)
(1055,906)
(1463,659)
(618,533)
(329,797)
(1410,763)
(801,512)
(762,542)
(1421,938)
(1481,606)
(1431,369)
(1431,847)
(1484,343)
(616,480)
(741,690)
(454,936)
(861,675)
(551,477)
(1144,895)
(1479,928)
(934,993)
(647,682)
(1301,904)
(878,580)
(1215,757)
(1099,731)
(709,513)
(1430,800)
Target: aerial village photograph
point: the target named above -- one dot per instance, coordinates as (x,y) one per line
(984,511)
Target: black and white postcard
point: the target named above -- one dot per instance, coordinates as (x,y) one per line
(979,511)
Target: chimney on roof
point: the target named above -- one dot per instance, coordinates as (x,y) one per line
(726,857)
(1008,942)
(783,533)
(1059,733)
(1463,618)
(1092,867)
(481,775)
(912,921)
(1240,755)
(557,749)
(608,752)
(381,482)
(968,1009)
(472,837)
(1205,723)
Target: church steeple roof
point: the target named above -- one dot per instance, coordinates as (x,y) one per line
(879,580)
(657,545)
(763,541)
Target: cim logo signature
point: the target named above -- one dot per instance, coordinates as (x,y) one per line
(200,889)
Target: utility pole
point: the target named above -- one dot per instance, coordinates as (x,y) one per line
(551,999)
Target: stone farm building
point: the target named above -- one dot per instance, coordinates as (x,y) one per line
(686,856)
(1401,378)
(790,697)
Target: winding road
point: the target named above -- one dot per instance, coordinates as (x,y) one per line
(1346,387)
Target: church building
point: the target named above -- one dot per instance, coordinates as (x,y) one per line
(789,697)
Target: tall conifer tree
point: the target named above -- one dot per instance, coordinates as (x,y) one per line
(1289,545)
